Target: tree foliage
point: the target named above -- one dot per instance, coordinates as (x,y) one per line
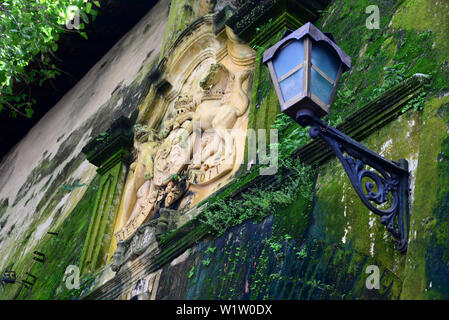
(29,32)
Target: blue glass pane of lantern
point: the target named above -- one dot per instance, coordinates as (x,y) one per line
(289,57)
(326,59)
(292,86)
(320,86)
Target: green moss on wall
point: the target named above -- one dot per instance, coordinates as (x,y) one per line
(60,251)
(340,218)
(264,102)
(99,237)
(400,40)
(412,39)
(412,36)
(323,254)
(342,237)
(182,14)
(428,251)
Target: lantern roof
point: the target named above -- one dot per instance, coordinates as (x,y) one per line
(315,33)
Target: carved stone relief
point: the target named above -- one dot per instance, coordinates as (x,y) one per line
(187,148)
(145,237)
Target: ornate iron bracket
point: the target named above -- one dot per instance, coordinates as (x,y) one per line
(385,190)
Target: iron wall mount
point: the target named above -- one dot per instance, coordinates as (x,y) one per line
(386,188)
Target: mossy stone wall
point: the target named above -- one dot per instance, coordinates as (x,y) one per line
(61,250)
(342,238)
(412,39)
(319,250)
(47,185)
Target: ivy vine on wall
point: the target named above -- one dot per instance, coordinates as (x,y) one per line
(258,202)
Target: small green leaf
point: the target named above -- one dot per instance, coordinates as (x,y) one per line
(94,13)
(206,262)
(84,35)
(29,112)
(192,272)
(84,16)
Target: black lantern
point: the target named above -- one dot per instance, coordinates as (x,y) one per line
(305,67)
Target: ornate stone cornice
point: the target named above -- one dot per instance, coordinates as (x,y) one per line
(111,145)
(256,13)
(146,238)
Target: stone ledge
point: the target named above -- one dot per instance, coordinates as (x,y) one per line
(256,13)
(118,137)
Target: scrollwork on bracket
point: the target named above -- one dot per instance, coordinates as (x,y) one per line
(386,191)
